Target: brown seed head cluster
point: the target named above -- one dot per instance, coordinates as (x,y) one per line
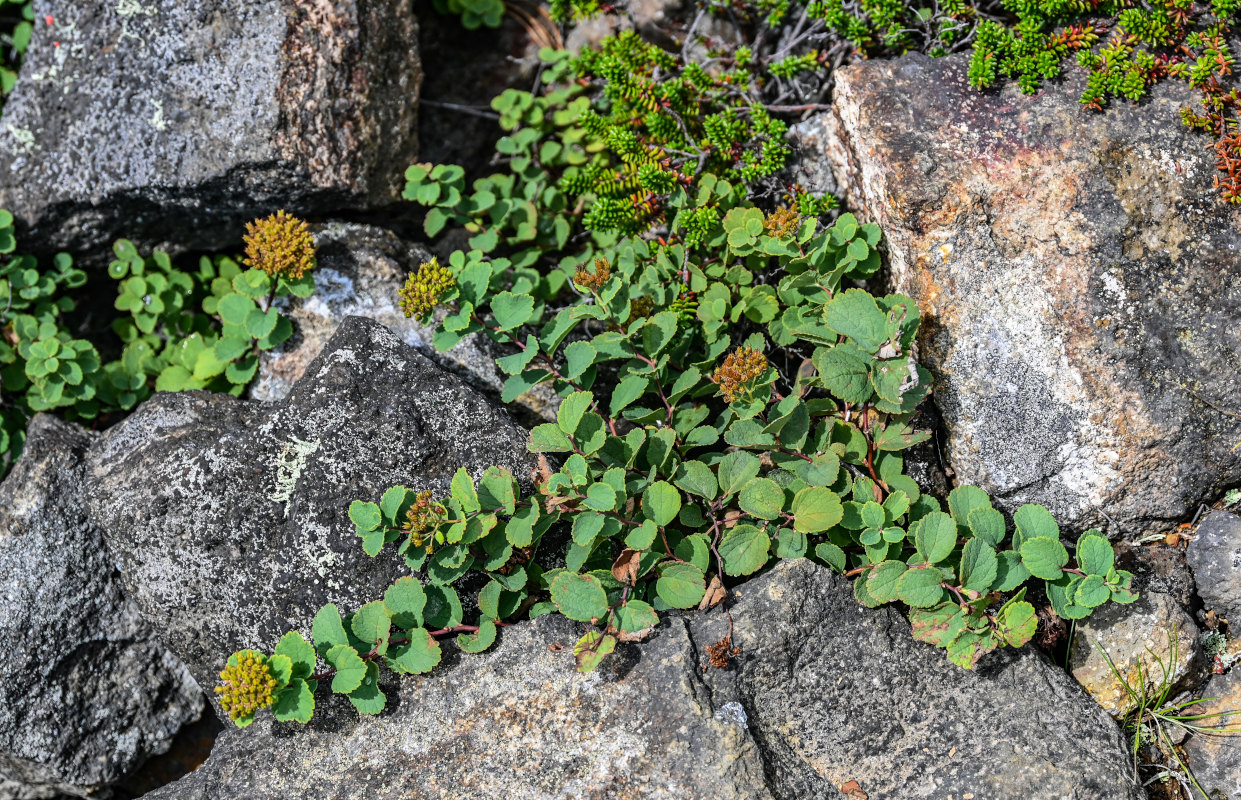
(720,654)
(782,222)
(741,368)
(423,519)
(246,687)
(424,288)
(280,245)
(593,281)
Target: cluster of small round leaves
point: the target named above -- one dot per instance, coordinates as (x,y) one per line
(281,245)
(246,685)
(423,519)
(593,281)
(424,288)
(740,369)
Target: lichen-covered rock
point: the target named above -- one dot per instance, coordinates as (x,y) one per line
(87,692)
(1155,633)
(361,268)
(159,118)
(823,693)
(1214,555)
(1215,758)
(230,518)
(516,722)
(1078,276)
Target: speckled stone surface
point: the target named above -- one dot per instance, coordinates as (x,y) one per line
(1152,631)
(1214,555)
(230,518)
(87,691)
(824,692)
(1079,277)
(1215,758)
(171,123)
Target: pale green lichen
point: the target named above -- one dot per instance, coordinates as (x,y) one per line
(289,466)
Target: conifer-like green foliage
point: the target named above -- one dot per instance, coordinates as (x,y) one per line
(1125,48)
(200,329)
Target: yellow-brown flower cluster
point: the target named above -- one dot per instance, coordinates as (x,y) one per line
(423,519)
(424,288)
(247,685)
(593,281)
(741,368)
(280,245)
(782,223)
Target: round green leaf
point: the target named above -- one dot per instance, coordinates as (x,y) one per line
(1095,554)
(405,601)
(366,516)
(681,585)
(979,565)
(350,668)
(480,641)
(512,310)
(661,502)
(881,582)
(420,654)
(294,703)
(816,509)
(372,625)
(936,536)
(1044,557)
(299,652)
(636,615)
(762,497)
(744,549)
(579,597)
(920,588)
(368,698)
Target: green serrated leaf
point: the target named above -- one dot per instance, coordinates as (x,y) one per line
(1044,557)
(920,588)
(479,641)
(680,585)
(405,601)
(300,654)
(294,703)
(579,597)
(745,550)
(350,668)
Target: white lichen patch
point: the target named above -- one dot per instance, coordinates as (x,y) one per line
(157,119)
(289,466)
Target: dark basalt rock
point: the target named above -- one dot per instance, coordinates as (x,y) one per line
(1079,279)
(230,518)
(87,691)
(1214,555)
(172,123)
(824,693)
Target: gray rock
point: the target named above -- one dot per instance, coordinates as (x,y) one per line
(87,692)
(157,118)
(1214,555)
(230,518)
(824,692)
(810,139)
(1215,758)
(361,268)
(1079,291)
(1154,632)
(835,692)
